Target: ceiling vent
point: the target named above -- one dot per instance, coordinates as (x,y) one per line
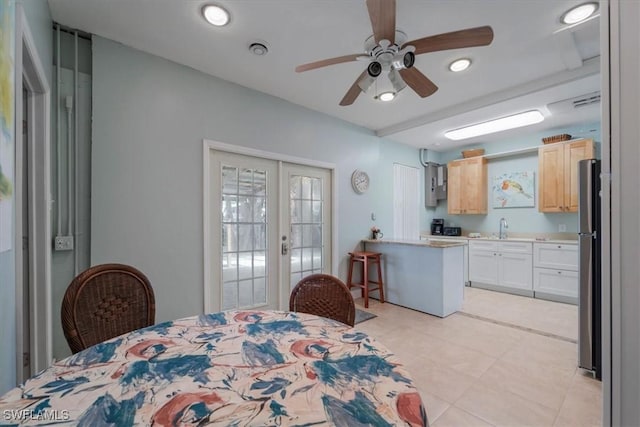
(572,104)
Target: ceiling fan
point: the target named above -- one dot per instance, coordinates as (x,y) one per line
(388,50)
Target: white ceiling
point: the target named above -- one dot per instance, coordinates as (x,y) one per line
(532,61)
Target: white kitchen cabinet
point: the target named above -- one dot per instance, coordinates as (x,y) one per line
(514,270)
(501,265)
(555,255)
(483,266)
(555,273)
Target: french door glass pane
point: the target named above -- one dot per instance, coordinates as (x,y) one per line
(244,237)
(307,223)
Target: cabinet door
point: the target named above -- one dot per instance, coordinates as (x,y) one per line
(573,153)
(551,178)
(454,183)
(475,186)
(515,270)
(556,282)
(483,267)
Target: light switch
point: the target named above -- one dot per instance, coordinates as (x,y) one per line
(373,216)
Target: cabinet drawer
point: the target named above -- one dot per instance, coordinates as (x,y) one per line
(515,247)
(556,282)
(556,256)
(483,245)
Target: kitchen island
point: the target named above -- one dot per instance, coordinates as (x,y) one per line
(422,275)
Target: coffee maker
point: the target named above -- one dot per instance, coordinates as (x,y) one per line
(437,227)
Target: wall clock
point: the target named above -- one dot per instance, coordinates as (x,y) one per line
(359,181)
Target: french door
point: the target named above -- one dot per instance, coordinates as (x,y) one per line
(306,238)
(269,226)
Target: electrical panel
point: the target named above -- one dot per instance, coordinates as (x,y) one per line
(435,184)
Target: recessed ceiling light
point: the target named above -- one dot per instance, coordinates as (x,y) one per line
(497,125)
(579,13)
(460,65)
(386,96)
(215,15)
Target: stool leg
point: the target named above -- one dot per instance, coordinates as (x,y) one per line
(350,274)
(362,278)
(365,282)
(380,284)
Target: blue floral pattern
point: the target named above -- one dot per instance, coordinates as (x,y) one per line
(232,368)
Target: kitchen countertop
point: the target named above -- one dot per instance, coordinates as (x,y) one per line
(509,239)
(431,244)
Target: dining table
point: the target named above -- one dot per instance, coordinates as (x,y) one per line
(235,368)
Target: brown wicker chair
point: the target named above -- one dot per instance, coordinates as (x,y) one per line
(323,295)
(106,301)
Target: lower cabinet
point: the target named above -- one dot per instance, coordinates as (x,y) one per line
(505,266)
(555,272)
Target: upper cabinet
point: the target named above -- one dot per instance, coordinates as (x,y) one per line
(558,174)
(467,181)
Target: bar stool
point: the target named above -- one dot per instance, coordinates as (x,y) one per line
(366,258)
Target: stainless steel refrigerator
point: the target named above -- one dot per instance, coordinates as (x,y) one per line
(590,329)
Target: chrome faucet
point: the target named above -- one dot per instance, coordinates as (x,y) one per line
(503,229)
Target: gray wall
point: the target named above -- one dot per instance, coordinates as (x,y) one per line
(521,220)
(149,118)
(625,183)
(65,265)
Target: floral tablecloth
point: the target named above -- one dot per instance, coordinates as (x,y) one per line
(234,368)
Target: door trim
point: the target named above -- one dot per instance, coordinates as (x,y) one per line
(207,147)
(29,68)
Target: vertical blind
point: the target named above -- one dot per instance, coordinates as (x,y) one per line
(406,199)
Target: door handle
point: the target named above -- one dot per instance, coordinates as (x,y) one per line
(285,248)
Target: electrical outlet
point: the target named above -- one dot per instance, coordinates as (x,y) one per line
(63,243)
(562,228)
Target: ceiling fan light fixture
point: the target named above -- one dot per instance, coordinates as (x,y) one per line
(374,69)
(579,13)
(460,65)
(386,96)
(504,123)
(215,15)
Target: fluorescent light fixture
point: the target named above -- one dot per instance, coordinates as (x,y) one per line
(386,96)
(215,15)
(510,122)
(460,65)
(579,13)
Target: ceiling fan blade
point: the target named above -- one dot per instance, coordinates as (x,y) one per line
(327,62)
(479,36)
(382,14)
(353,91)
(418,82)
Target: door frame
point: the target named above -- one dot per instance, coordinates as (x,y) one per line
(30,70)
(207,146)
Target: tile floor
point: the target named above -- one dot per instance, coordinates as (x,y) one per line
(484,368)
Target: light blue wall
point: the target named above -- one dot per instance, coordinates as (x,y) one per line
(522,220)
(149,118)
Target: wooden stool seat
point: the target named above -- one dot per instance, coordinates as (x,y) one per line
(366,258)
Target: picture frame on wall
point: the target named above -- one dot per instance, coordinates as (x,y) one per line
(514,190)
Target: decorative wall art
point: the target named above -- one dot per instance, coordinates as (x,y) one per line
(7,30)
(514,190)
